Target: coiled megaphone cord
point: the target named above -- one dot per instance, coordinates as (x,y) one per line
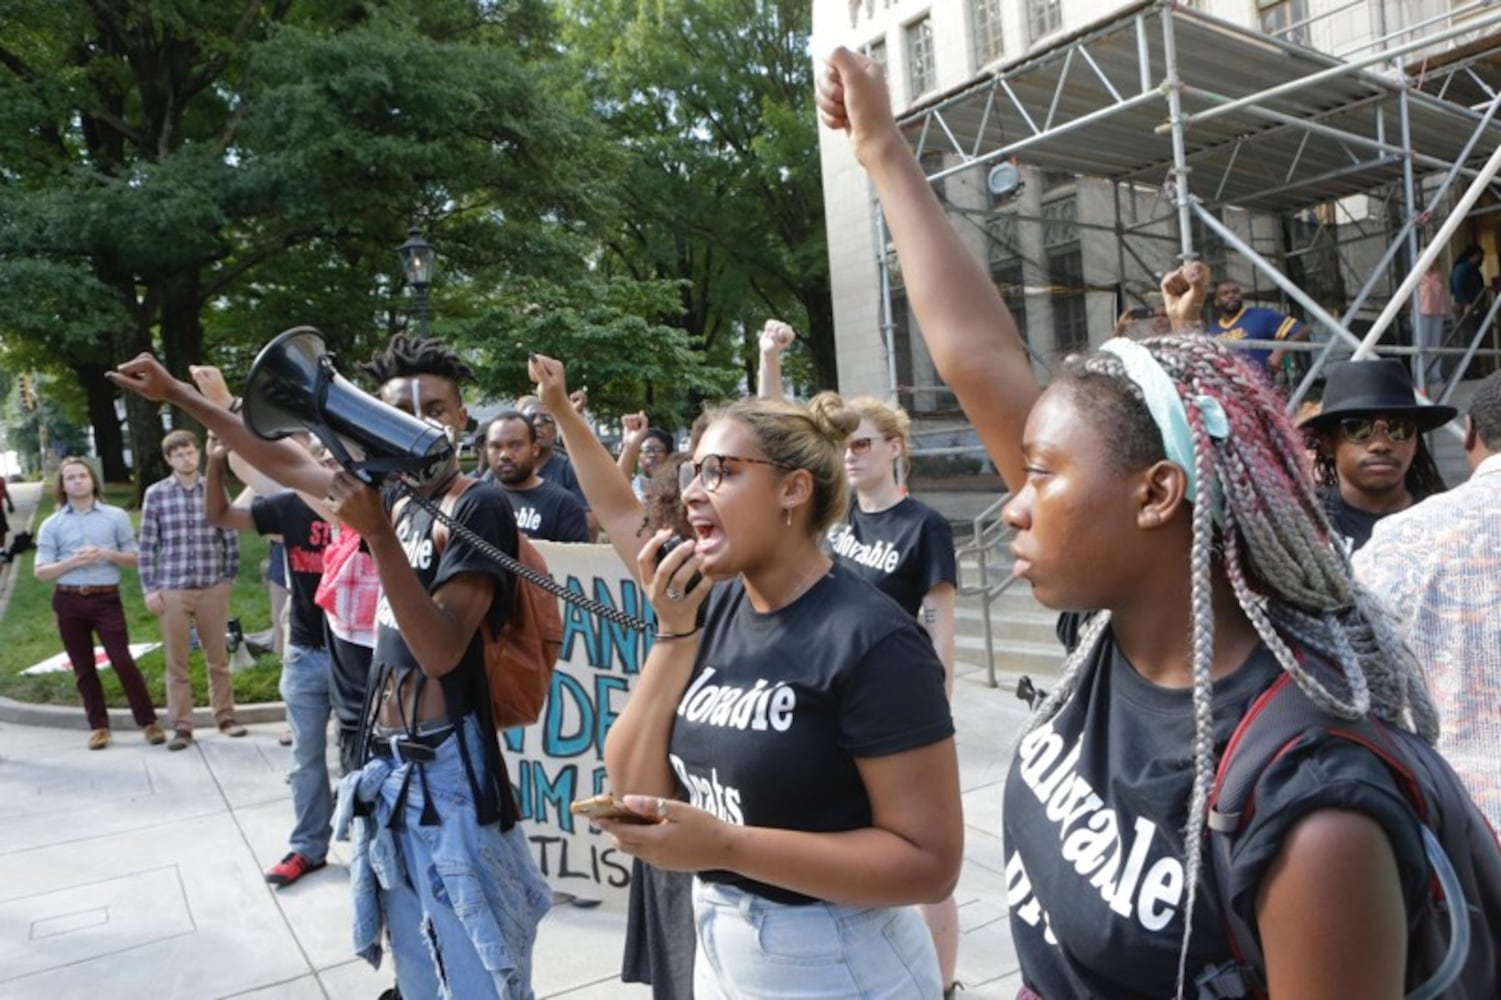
(522,571)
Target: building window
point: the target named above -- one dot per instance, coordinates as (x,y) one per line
(901,349)
(1060,222)
(1278,18)
(1070,319)
(1006,272)
(1043,16)
(1001,238)
(985,22)
(1060,237)
(877,52)
(922,72)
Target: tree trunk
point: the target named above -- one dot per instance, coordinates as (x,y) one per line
(143,420)
(109,438)
(182,335)
(821,347)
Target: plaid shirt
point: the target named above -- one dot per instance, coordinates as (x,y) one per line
(180,550)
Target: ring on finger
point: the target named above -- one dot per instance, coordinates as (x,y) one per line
(674,594)
(661,808)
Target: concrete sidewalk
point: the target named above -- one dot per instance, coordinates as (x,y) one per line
(136,873)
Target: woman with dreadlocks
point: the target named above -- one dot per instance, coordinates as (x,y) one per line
(1159,495)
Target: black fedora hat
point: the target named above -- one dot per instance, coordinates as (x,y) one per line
(1371,388)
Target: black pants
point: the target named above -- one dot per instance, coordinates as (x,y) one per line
(349,679)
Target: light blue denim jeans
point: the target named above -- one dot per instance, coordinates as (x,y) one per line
(305,689)
(460,901)
(752,947)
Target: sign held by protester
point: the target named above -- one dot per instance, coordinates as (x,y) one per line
(560,758)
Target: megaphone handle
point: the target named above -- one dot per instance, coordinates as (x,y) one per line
(520,569)
(341,454)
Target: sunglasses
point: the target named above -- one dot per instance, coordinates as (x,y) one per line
(860,446)
(711,470)
(1362,429)
(543,418)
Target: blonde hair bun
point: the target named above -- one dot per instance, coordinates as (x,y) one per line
(834,418)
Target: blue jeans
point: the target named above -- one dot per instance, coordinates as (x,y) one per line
(304,688)
(1430,333)
(460,901)
(751,947)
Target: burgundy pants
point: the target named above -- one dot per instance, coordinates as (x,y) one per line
(79,617)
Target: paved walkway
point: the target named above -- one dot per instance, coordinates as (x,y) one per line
(136,873)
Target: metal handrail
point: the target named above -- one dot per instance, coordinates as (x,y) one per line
(986,544)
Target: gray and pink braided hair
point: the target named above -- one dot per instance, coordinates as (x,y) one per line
(1271,539)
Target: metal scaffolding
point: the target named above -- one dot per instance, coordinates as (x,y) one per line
(1209,119)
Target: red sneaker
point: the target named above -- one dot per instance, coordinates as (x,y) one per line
(291,868)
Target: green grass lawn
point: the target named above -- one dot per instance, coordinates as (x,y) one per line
(28,632)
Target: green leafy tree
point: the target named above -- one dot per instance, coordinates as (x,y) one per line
(718,187)
(192,176)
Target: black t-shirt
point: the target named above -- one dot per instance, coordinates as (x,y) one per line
(905,550)
(1095,805)
(482,509)
(780,705)
(1352,525)
(548,512)
(558,469)
(304,535)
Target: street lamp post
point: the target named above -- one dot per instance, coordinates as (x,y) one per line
(417,261)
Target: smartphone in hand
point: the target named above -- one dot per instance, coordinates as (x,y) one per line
(605,807)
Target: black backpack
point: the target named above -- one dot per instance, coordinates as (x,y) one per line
(21,542)
(1449,957)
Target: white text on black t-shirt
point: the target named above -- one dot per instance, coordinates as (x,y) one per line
(880,555)
(1092,842)
(754,709)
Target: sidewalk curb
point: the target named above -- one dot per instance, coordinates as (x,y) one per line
(24,713)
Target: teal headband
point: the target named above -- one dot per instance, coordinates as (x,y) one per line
(1166,407)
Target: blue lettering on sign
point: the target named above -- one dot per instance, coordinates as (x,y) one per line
(579,623)
(625,646)
(538,791)
(577,719)
(607,644)
(554,742)
(535,791)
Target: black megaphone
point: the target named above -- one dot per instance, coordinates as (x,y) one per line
(293,386)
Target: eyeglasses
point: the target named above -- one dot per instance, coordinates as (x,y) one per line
(1362,429)
(711,470)
(857,446)
(649,450)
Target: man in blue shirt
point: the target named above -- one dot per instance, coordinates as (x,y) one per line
(82,546)
(1238,321)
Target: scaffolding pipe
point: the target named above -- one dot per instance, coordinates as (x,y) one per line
(1329,131)
(1448,15)
(1367,347)
(1083,121)
(1310,80)
(1408,227)
(1173,84)
(1233,240)
(1409,207)
(888,321)
(1485,328)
